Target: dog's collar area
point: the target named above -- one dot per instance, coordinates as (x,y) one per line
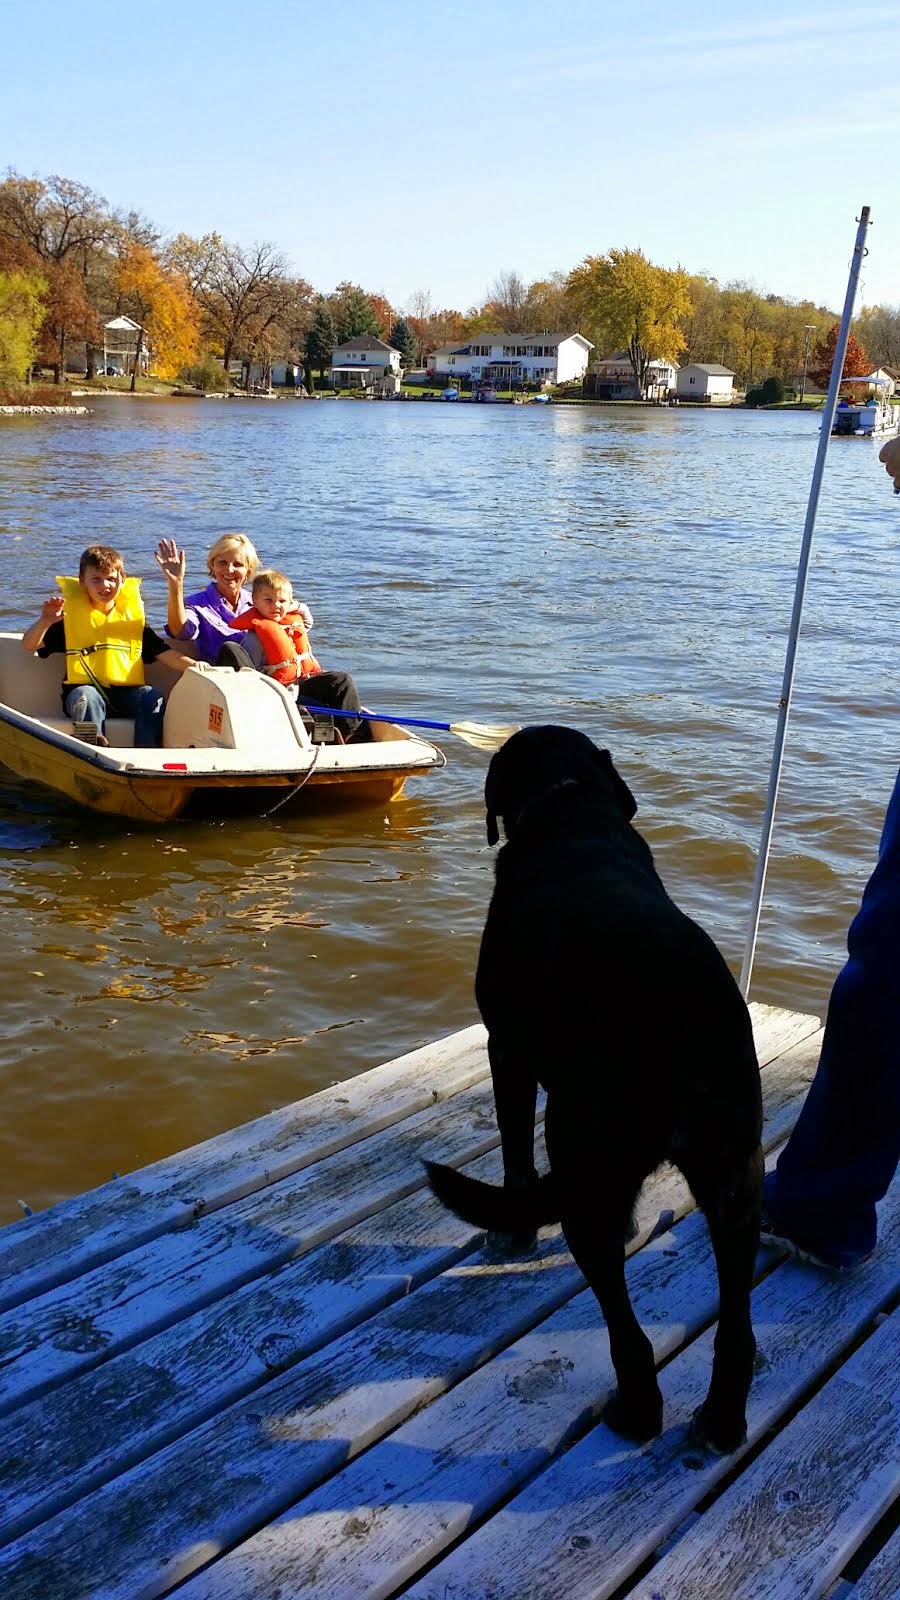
(537,799)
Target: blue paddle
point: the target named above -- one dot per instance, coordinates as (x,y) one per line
(481,735)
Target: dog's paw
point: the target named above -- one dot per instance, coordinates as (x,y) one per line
(635,1420)
(510,1244)
(716,1432)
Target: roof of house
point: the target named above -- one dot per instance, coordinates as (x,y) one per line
(712,367)
(508,338)
(365,341)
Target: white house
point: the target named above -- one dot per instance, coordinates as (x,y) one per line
(613,379)
(510,359)
(363,362)
(120,339)
(706,382)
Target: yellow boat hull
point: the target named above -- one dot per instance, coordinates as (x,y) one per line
(163,798)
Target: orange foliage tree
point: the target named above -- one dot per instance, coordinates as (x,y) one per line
(160,300)
(856,362)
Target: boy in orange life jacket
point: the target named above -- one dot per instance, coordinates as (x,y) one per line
(280,647)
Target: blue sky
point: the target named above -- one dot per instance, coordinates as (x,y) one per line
(430,145)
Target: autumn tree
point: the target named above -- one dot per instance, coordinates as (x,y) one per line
(856,362)
(403,339)
(548,307)
(624,301)
(504,304)
(22,311)
(879,328)
(747,331)
(241,291)
(448,327)
(160,301)
(321,339)
(61,224)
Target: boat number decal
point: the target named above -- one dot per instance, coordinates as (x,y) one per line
(215,718)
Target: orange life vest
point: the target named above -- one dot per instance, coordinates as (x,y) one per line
(285,644)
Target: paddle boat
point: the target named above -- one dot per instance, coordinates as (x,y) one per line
(231,740)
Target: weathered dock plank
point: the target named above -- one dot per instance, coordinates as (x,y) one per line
(55,1246)
(78,1325)
(796,1516)
(375,1523)
(881,1581)
(584,1526)
(157,1523)
(58,1448)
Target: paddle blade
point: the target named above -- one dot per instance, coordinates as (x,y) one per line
(484,735)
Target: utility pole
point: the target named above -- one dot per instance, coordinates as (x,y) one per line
(809,328)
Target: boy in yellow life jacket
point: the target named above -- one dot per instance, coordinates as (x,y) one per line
(98,623)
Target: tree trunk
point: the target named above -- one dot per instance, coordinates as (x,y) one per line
(91,362)
(59,368)
(137,358)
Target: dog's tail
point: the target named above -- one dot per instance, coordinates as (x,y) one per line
(487,1205)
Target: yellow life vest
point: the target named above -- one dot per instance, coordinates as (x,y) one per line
(110,646)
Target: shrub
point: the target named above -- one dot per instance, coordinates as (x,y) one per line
(33,394)
(207,373)
(772,392)
(754,398)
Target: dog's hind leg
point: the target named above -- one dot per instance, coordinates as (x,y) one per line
(595,1227)
(731,1203)
(515,1098)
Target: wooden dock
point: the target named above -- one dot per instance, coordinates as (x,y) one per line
(273,1367)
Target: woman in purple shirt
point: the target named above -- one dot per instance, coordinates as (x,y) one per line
(205,620)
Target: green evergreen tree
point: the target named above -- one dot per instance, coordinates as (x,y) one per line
(357,316)
(321,340)
(403,339)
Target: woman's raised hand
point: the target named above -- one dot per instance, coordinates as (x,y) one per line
(170,560)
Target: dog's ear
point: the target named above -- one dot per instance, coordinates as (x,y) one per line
(624,796)
(491,785)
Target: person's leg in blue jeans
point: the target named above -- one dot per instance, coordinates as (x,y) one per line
(147,706)
(844,1151)
(84,703)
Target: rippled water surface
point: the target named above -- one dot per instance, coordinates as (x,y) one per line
(630,572)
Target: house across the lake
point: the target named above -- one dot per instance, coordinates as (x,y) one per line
(705,382)
(613,379)
(365,363)
(509,360)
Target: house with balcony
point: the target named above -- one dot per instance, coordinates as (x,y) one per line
(511,360)
(706,383)
(365,363)
(613,378)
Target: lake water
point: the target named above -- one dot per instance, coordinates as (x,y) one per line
(626,571)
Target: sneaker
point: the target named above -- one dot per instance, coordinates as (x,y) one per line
(832,1259)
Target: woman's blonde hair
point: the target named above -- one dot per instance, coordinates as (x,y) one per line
(226,541)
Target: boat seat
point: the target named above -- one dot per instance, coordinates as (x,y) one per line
(119,730)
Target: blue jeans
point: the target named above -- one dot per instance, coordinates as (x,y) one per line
(844,1151)
(84,703)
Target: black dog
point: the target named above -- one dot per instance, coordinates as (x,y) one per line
(592,983)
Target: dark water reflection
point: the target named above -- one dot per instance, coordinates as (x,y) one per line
(630,573)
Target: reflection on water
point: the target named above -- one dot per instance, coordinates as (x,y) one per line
(630,573)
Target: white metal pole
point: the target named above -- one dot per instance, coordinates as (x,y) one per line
(784,704)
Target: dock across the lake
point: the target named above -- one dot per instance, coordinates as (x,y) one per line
(273,1367)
